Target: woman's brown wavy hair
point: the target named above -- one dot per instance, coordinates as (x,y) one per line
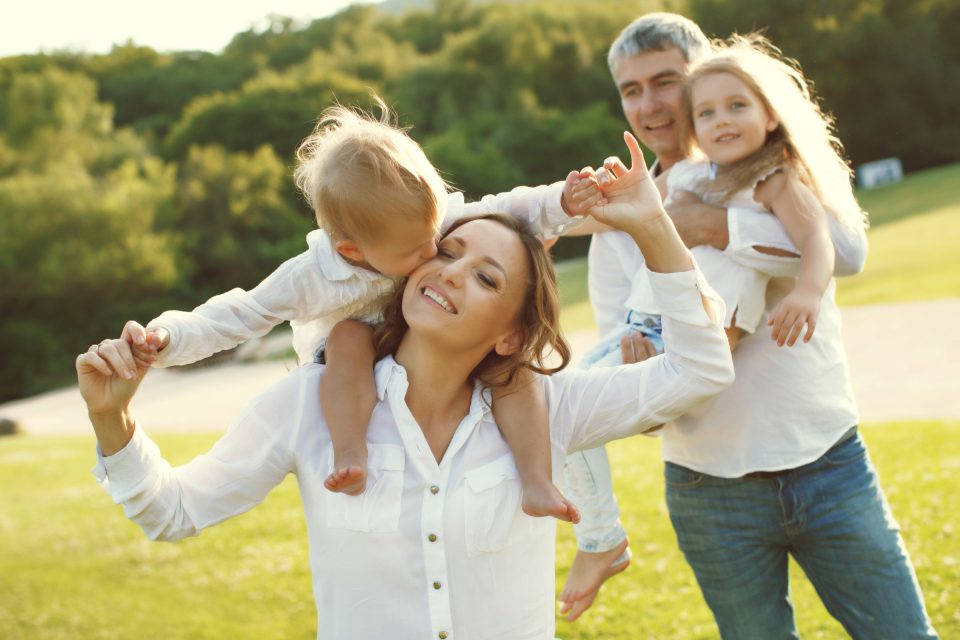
(538,318)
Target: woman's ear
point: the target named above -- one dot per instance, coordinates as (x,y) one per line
(510,343)
(349,250)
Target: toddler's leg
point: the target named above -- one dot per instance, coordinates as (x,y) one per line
(520,410)
(348,394)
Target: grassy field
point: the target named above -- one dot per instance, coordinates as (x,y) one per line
(74,567)
(914,235)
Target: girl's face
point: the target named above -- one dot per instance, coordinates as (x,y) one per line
(729,120)
(469,295)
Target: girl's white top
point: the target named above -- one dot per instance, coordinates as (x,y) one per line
(787,406)
(741,287)
(318,288)
(430,550)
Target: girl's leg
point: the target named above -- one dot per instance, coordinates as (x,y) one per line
(348,394)
(520,410)
(602,549)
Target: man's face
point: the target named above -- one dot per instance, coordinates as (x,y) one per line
(651,92)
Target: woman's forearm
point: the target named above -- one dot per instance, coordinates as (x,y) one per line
(114,429)
(660,244)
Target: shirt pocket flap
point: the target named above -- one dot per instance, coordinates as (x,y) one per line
(386,457)
(492,473)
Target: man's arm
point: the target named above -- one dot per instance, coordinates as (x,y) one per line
(758,240)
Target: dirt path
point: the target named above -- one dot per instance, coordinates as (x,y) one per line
(904,358)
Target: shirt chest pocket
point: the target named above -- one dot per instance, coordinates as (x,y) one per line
(491,505)
(377,509)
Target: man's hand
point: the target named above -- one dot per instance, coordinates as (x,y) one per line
(634,347)
(108,377)
(698,223)
(145,343)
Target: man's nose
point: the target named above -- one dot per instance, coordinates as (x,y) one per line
(649,103)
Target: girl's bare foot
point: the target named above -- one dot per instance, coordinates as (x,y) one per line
(544,499)
(587,574)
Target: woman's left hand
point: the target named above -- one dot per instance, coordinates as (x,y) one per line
(108,376)
(629,197)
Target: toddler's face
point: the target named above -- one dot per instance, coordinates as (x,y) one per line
(404,247)
(729,119)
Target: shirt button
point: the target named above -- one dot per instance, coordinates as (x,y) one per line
(442,635)
(432,537)
(436,585)
(434,489)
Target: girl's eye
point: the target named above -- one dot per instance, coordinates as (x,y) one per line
(442,252)
(737,105)
(704,113)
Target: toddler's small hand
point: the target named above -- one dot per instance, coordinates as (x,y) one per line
(144,343)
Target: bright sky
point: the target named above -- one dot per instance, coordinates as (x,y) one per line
(30,26)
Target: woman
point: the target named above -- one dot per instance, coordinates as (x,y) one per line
(437,546)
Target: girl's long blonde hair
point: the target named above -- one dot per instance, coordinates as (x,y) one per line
(804,144)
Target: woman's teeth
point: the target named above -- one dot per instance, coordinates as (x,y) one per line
(439,299)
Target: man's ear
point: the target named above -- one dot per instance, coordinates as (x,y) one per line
(349,250)
(510,343)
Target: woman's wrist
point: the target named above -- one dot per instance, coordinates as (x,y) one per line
(661,246)
(113,427)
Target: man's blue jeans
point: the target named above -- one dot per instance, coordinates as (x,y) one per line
(830,515)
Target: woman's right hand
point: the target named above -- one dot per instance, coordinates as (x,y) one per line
(108,376)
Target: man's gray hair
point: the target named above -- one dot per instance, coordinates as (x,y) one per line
(657,32)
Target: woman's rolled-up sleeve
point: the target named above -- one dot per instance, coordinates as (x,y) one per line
(591,407)
(171,503)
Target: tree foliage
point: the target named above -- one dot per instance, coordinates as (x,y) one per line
(138,180)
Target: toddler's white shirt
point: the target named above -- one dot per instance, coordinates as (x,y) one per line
(318,288)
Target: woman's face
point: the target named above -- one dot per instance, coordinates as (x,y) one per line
(469,294)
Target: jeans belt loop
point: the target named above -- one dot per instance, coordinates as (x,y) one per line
(772,475)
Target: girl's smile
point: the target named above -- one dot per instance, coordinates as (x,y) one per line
(730,120)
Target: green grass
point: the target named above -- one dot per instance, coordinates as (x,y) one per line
(74,567)
(914,249)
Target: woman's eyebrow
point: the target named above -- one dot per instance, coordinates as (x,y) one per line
(488,259)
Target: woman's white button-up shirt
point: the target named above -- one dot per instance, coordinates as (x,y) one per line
(430,550)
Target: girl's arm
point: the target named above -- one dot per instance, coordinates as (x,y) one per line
(806,222)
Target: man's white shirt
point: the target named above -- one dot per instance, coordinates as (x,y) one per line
(788,405)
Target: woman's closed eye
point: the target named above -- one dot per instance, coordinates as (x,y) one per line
(487,280)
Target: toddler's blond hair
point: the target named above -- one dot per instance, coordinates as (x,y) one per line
(358,171)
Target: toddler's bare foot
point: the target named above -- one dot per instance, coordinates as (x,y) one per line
(544,499)
(587,574)
(350,474)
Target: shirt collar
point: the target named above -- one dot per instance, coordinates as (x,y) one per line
(387,370)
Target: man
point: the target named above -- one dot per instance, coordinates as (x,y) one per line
(774,465)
